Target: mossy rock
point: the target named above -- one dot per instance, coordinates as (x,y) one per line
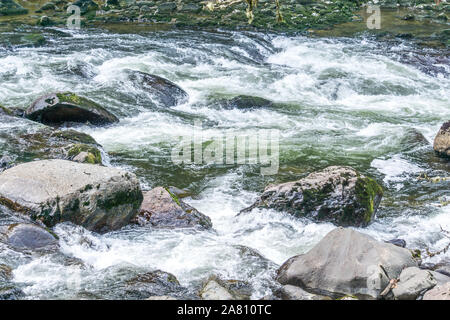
(336,194)
(85,154)
(34,39)
(57,108)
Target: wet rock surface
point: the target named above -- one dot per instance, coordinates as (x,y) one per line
(336,194)
(27,236)
(217,289)
(98,198)
(329,268)
(58,108)
(163,209)
(442,141)
(412,283)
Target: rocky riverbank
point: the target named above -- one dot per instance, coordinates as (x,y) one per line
(424,20)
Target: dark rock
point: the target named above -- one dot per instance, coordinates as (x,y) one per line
(167,7)
(57,108)
(346,262)
(165,91)
(442,141)
(86,6)
(34,39)
(27,236)
(336,194)
(217,289)
(191,8)
(398,242)
(10,292)
(248,103)
(163,209)
(98,198)
(45,21)
(48,6)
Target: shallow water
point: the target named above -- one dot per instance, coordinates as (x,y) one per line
(340,101)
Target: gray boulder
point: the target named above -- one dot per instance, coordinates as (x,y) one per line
(440,292)
(27,236)
(57,108)
(247,103)
(336,194)
(290,292)
(442,141)
(52,191)
(346,262)
(412,283)
(163,209)
(163,90)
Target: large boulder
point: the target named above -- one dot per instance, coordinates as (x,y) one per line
(52,191)
(440,292)
(57,108)
(164,91)
(336,194)
(346,262)
(412,283)
(27,236)
(442,141)
(163,209)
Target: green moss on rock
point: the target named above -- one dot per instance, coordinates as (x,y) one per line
(93,154)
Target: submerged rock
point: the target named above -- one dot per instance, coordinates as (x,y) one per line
(27,236)
(165,91)
(346,262)
(5,111)
(440,292)
(52,191)
(442,141)
(163,209)
(247,103)
(336,194)
(217,289)
(413,282)
(57,108)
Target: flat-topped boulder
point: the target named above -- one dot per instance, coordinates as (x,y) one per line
(336,194)
(61,107)
(164,91)
(346,262)
(442,141)
(52,191)
(163,209)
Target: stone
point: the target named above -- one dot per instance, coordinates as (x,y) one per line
(217,289)
(98,198)
(58,108)
(247,103)
(27,236)
(10,7)
(442,141)
(346,262)
(440,292)
(290,292)
(163,209)
(397,242)
(165,92)
(336,194)
(412,283)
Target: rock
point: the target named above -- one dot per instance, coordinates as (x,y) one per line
(336,194)
(161,298)
(34,39)
(165,91)
(57,108)
(162,209)
(442,141)
(9,8)
(5,272)
(248,102)
(445,270)
(44,21)
(155,283)
(98,198)
(217,289)
(290,292)
(439,277)
(412,283)
(179,193)
(397,242)
(27,236)
(85,154)
(440,292)
(5,162)
(10,292)
(48,6)
(346,262)
(167,7)
(86,6)
(191,8)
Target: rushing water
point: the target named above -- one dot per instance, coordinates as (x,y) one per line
(342,101)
